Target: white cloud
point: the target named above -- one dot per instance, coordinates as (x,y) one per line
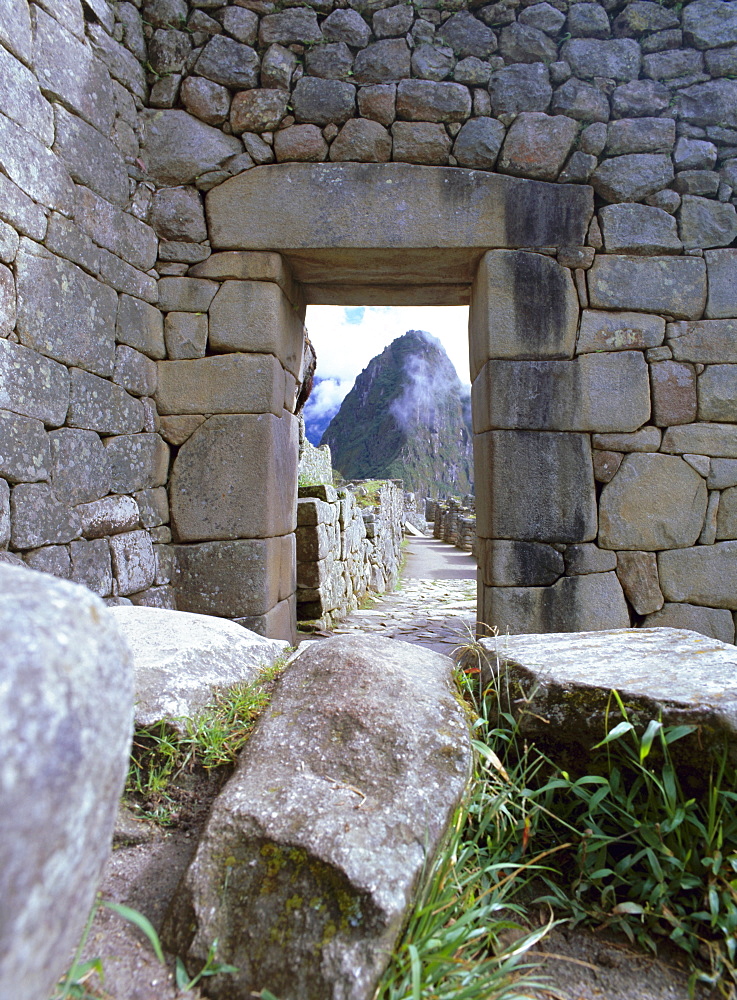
(326,397)
(347,338)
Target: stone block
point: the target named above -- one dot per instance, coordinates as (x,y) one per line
(52,559)
(520,87)
(722,300)
(616,58)
(65,239)
(161,597)
(672,285)
(478,143)
(4,514)
(303,143)
(206,100)
(134,564)
(638,574)
(606,464)
(574,604)
(707,24)
(7,302)
(298,26)
(640,135)
(347,26)
(638,229)
(65,314)
(140,325)
(705,342)
(654,502)
(632,177)
(593,392)
(9,241)
(429,101)
(98,405)
(644,440)
(256,316)
(258,110)
(537,145)
(277,623)
(726,518)
(535,486)
(311,511)
(588,558)
(63,768)
(90,158)
(121,233)
(673,393)
(24,449)
(137,462)
(124,277)
(385,61)
(224,383)
(232,579)
(703,575)
(186,294)
(378,102)
(176,429)
(134,371)
(333,61)
(39,518)
(153,506)
(722,473)
(33,385)
(108,516)
(523,305)
(80,471)
(581,101)
(421,142)
(718,393)
(177,147)
(323,860)
(362,141)
(618,331)
(91,566)
(323,102)
(229,63)
(185,335)
(518,564)
(177,214)
(705,223)
(15,29)
(523,43)
(68,71)
(714,622)
(236,477)
(34,168)
(20,210)
(715,440)
(21,100)
(353,205)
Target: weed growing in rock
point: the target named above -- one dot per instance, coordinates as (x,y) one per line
(211,740)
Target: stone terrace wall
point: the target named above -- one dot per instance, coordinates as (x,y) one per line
(345,552)
(83,467)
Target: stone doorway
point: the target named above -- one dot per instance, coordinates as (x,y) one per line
(392,234)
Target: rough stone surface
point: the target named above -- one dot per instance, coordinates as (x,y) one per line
(80,471)
(90,158)
(722,300)
(534,306)
(428,101)
(618,331)
(518,564)
(673,675)
(137,461)
(177,214)
(140,325)
(705,575)
(134,371)
(594,392)
(362,141)
(205,99)
(258,110)
(185,334)
(672,285)
(182,661)
(133,560)
(726,521)
(644,440)
(718,393)
(588,558)
(716,440)
(673,393)
(708,23)
(638,229)
(65,730)
(550,477)
(580,101)
(632,177)
(705,342)
(32,385)
(520,87)
(654,502)
(92,566)
(225,383)
(574,603)
(230,63)
(323,847)
(537,145)
(616,59)
(236,477)
(638,574)
(39,518)
(705,223)
(24,449)
(65,314)
(52,559)
(715,622)
(300,142)
(382,62)
(108,516)
(177,148)
(322,102)
(98,405)
(420,142)
(478,143)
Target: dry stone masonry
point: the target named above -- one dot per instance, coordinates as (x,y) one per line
(569,168)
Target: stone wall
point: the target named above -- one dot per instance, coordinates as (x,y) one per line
(133,358)
(83,467)
(345,551)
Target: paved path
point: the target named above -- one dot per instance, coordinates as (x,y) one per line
(435,605)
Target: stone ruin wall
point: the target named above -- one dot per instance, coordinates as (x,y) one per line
(344,551)
(123,353)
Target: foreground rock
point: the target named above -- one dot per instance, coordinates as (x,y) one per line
(316,846)
(565,681)
(66,712)
(182,660)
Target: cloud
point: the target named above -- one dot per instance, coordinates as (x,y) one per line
(423,386)
(324,402)
(345,344)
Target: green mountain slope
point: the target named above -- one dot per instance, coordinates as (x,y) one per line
(407,417)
